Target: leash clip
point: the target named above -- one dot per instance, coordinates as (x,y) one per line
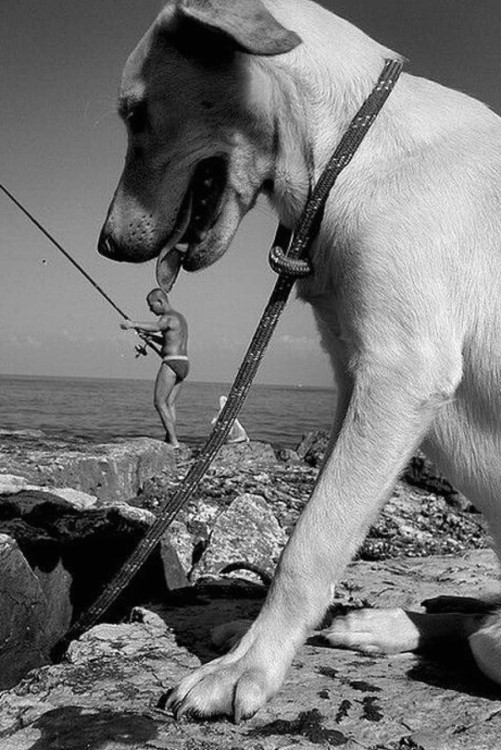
(285,266)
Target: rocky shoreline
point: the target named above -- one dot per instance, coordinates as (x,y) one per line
(71,511)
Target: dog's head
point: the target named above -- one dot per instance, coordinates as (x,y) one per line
(201,132)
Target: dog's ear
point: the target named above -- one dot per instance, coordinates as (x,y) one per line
(247,23)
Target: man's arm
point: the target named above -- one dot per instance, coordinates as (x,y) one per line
(146,327)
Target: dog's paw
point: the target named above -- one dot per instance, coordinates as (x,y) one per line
(232,690)
(235,685)
(383,631)
(224,637)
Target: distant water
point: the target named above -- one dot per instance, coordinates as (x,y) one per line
(100,409)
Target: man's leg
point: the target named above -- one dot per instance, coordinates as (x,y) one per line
(171,399)
(164,385)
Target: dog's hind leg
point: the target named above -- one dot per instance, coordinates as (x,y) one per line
(392,404)
(390,631)
(385,631)
(464,443)
(393,631)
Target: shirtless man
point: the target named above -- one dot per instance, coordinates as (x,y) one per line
(175,364)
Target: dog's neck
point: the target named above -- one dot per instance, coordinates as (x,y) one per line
(317,89)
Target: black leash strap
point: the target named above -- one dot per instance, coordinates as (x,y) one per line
(288,260)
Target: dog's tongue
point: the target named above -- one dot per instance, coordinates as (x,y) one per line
(168,265)
(171,257)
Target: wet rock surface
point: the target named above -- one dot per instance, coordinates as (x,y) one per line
(107,694)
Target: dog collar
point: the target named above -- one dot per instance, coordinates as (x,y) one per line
(294,262)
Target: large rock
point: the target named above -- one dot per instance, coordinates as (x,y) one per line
(111,471)
(247,533)
(63,554)
(90,543)
(26,612)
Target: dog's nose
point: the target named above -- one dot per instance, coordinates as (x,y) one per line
(107,247)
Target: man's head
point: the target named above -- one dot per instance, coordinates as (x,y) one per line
(196,102)
(158,301)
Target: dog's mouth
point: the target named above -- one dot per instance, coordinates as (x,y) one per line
(199,211)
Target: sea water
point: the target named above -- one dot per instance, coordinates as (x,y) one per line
(99,409)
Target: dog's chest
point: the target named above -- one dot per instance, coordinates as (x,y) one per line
(326,307)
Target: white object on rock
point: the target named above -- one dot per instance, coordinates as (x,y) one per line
(237,434)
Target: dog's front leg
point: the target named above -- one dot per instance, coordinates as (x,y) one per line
(388,413)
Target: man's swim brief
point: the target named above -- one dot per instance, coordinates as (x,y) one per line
(178,363)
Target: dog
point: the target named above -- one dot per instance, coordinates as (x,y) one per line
(225,100)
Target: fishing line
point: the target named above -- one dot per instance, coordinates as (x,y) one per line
(77,265)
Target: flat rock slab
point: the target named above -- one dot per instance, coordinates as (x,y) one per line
(110,471)
(106,697)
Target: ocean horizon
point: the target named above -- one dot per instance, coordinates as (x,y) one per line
(100,409)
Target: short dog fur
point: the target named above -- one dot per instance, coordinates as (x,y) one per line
(228,99)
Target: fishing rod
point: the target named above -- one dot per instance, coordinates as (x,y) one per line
(82,270)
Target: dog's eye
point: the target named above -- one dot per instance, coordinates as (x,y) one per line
(137,118)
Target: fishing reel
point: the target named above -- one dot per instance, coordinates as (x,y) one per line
(150,342)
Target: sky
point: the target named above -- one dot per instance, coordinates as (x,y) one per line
(61,153)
